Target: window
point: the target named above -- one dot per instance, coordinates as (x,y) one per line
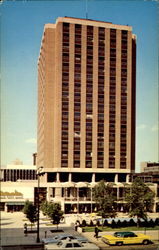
(69,245)
(77,245)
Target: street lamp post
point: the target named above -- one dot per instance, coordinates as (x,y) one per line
(39,173)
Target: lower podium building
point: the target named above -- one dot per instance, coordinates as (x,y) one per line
(86,108)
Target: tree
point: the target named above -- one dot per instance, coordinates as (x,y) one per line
(44,207)
(30,211)
(139,199)
(103,195)
(54,212)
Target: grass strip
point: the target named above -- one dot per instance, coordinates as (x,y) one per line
(125,229)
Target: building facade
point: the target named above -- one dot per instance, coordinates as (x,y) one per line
(18,184)
(17,173)
(86,102)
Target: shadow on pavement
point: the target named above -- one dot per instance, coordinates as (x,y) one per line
(5,223)
(23,247)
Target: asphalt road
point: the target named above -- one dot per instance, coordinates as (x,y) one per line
(133,247)
(40,247)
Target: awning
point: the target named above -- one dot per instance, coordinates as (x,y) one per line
(14,203)
(82,184)
(68,184)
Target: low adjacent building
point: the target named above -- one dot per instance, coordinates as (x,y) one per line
(18,182)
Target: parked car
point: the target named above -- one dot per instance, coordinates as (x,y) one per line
(71,245)
(59,237)
(120,238)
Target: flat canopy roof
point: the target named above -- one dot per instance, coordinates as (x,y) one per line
(15,203)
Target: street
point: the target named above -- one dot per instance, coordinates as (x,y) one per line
(13,238)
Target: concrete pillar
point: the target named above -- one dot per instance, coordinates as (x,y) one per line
(117,194)
(70,177)
(57,177)
(127,178)
(116,178)
(48,194)
(93,177)
(154,207)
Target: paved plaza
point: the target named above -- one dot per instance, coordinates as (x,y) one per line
(12,232)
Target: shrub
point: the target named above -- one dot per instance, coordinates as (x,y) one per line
(124,223)
(145,223)
(157,222)
(84,223)
(151,223)
(113,224)
(118,224)
(132,223)
(91,223)
(105,224)
(139,223)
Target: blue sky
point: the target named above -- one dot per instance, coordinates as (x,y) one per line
(22,24)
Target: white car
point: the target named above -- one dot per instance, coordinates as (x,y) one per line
(60,237)
(71,245)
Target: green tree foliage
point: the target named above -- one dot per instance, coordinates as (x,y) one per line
(44,207)
(139,199)
(53,211)
(113,224)
(104,197)
(30,211)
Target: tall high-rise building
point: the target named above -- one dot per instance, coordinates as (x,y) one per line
(86,101)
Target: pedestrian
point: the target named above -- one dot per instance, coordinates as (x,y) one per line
(96,230)
(76,226)
(25,229)
(45,234)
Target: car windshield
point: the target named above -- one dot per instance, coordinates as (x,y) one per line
(124,234)
(59,243)
(118,234)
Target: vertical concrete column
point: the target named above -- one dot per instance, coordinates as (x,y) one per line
(57,177)
(70,177)
(48,194)
(93,177)
(117,193)
(127,178)
(95,97)
(154,207)
(83,97)
(5,207)
(58,95)
(71,97)
(106,98)
(129,100)
(116,178)
(118,99)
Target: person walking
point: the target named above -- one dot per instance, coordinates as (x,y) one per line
(25,229)
(96,230)
(76,226)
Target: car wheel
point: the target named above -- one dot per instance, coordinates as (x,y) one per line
(145,242)
(119,243)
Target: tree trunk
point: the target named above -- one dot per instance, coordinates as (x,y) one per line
(137,222)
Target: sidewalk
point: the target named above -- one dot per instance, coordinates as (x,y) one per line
(12,229)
